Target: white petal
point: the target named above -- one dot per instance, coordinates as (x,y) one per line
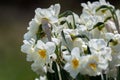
(50,47)
(53,56)
(40,44)
(67,67)
(57,9)
(75,52)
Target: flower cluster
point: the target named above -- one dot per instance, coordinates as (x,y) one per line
(67,46)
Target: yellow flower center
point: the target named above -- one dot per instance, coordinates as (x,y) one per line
(75,63)
(93,66)
(42,53)
(104,11)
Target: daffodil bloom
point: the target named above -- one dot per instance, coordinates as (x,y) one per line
(32,30)
(50,14)
(73,65)
(90,8)
(95,65)
(71,40)
(99,47)
(115,46)
(28,48)
(44,52)
(44,55)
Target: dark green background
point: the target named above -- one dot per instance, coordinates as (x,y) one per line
(14,18)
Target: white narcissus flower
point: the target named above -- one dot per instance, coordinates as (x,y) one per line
(56,41)
(99,47)
(90,8)
(38,68)
(90,17)
(44,55)
(33,29)
(73,65)
(44,52)
(28,48)
(95,65)
(50,14)
(82,29)
(90,20)
(115,46)
(70,40)
(42,16)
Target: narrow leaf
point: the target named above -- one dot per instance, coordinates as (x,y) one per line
(104,7)
(99,25)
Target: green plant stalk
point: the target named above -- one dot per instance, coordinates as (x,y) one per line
(115,19)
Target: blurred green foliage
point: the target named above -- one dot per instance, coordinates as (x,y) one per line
(13,64)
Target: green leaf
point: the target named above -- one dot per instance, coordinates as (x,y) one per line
(99,25)
(63,36)
(108,18)
(62,22)
(69,25)
(54,67)
(80,36)
(80,77)
(65,14)
(104,7)
(112,42)
(53,76)
(65,75)
(50,76)
(74,21)
(88,50)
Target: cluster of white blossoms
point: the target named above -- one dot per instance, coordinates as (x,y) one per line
(66,45)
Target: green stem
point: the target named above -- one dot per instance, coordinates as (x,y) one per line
(115,19)
(65,14)
(102,77)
